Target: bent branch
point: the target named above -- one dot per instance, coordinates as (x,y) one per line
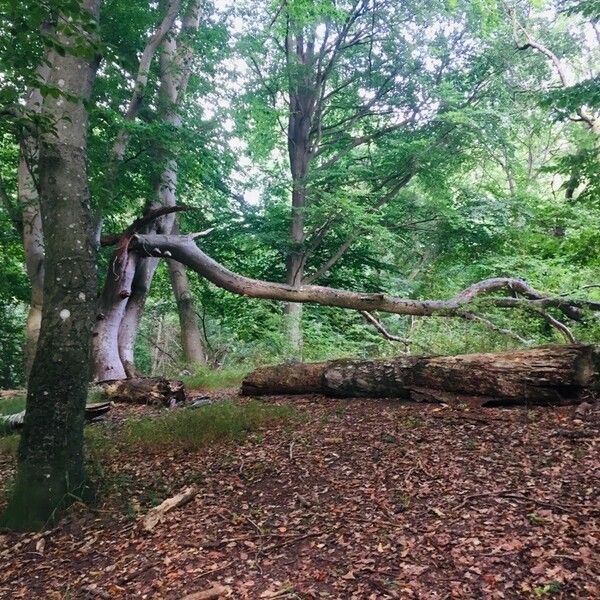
(183,249)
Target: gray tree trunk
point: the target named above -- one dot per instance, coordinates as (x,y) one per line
(33,238)
(50,459)
(106,358)
(192,342)
(174,67)
(300,53)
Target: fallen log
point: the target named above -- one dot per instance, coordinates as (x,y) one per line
(92,412)
(288,378)
(144,390)
(548,375)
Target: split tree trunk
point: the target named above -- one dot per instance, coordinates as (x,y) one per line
(542,375)
(175,69)
(33,238)
(50,461)
(191,339)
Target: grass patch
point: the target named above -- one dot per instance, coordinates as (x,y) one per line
(9,443)
(211,379)
(10,406)
(194,428)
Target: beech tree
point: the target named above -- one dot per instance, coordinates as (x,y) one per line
(367,101)
(51,467)
(368,108)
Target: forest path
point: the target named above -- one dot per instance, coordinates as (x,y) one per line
(358,499)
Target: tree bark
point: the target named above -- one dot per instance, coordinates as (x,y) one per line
(302,102)
(191,338)
(174,74)
(548,375)
(50,460)
(33,238)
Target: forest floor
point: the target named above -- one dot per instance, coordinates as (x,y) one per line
(356,499)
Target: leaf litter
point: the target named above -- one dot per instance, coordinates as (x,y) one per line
(362,499)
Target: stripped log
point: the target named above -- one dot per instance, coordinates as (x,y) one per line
(556,374)
(92,412)
(157,514)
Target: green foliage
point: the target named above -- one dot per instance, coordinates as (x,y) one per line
(205,378)
(485,139)
(12,405)
(191,428)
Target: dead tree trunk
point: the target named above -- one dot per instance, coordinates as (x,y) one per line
(175,68)
(548,375)
(144,390)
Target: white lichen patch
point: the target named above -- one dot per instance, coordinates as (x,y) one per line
(81,296)
(64,314)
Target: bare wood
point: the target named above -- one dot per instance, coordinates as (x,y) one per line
(156,514)
(212,593)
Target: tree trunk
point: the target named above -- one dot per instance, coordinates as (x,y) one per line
(541,375)
(33,239)
(50,460)
(106,358)
(132,316)
(302,91)
(191,338)
(174,67)
(295,269)
(156,349)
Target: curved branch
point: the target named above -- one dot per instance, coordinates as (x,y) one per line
(183,249)
(564,330)
(384,332)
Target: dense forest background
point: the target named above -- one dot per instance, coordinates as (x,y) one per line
(451,142)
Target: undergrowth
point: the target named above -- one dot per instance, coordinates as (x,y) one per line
(193,428)
(10,406)
(205,378)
